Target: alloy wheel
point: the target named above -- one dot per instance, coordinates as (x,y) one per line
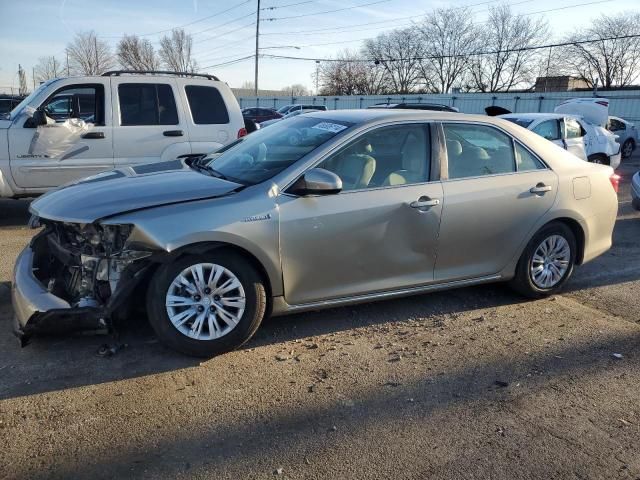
(550,262)
(205,301)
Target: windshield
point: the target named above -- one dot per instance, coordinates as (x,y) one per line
(284,109)
(18,108)
(265,153)
(523,122)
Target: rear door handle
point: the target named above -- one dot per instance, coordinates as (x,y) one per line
(424,202)
(93,135)
(541,188)
(173,133)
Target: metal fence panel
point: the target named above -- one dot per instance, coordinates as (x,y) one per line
(624,103)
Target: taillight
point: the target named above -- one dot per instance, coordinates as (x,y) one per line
(615,181)
(242,132)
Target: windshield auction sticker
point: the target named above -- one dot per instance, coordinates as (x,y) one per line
(330,127)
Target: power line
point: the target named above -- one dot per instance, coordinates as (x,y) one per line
(326,11)
(225,24)
(225,33)
(288,5)
(471,54)
(230,62)
(190,23)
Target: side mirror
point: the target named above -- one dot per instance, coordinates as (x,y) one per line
(39,118)
(317,181)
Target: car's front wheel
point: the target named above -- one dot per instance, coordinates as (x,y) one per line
(207,304)
(547,262)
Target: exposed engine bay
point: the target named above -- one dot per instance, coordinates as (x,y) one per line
(84,264)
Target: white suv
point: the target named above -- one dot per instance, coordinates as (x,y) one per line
(71,128)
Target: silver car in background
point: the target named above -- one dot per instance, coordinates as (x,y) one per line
(325,209)
(627,135)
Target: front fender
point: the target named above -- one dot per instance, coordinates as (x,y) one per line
(250,224)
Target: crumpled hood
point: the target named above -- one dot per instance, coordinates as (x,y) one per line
(132,188)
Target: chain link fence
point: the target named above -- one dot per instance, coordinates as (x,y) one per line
(623,103)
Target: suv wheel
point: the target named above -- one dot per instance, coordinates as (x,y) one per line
(205,305)
(547,262)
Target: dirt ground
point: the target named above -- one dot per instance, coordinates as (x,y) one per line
(465,384)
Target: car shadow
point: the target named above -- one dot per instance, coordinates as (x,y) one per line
(14,213)
(51,363)
(230,444)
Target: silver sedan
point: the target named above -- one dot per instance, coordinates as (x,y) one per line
(326,209)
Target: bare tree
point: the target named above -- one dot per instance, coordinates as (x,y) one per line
(175,51)
(135,53)
(449,37)
(22,81)
(610,62)
(48,68)
(507,36)
(296,90)
(398,53)
(88,55)
(348,74)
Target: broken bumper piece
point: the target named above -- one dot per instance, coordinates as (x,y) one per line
(39,311)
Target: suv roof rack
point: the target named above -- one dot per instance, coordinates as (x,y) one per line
(111,73)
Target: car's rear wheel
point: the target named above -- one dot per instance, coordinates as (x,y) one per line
(208,304)
(547,262)
(627,148)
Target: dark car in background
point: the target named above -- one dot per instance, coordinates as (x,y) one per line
(299,106)
(8,103)
(260,114)
(437,107)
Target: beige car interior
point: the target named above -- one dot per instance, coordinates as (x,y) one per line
(357,165)
(468,160)
(414,163)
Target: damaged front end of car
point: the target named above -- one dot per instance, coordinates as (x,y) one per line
(75,277)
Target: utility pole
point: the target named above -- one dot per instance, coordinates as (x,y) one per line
(317,74)
(95,47)
(255,82)
(33,76)
(67,51)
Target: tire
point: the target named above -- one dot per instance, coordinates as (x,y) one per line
(180,336)
(524,281)
(627,148)
(599,158)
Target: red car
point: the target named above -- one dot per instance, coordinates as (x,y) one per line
(259,114)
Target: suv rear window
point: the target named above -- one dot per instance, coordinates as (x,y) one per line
(147,104)
(206,104)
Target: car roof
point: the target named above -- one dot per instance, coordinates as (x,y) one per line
(379,114)
(535,116)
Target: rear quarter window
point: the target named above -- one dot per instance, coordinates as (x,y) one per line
(206,105)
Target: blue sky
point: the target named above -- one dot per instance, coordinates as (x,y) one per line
(35,28)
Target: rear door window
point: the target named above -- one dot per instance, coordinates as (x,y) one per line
(548,129)
(207,105)
(147,104)
(572,128)
(477,150)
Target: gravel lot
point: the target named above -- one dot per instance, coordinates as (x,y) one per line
(471,383)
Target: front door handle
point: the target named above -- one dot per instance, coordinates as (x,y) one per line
(424,202)
(173,133)
(541,188)
(93,135)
